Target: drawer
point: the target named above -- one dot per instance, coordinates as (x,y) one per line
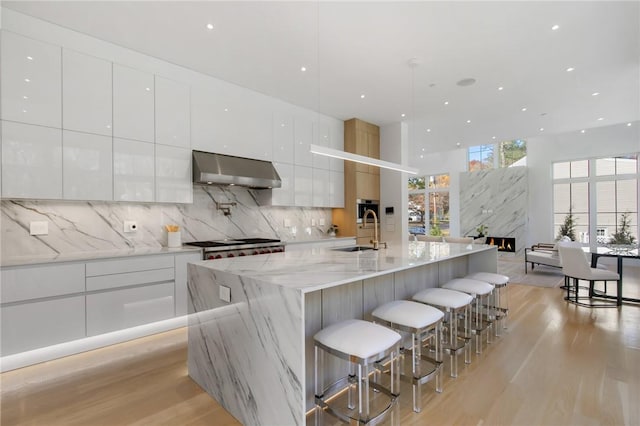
(119,309)
(37,281)
(103,282)
(133,264)
(38,324)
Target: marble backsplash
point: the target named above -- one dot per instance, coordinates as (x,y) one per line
(82,226)
(497,199)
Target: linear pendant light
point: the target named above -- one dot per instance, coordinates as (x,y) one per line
(330,152)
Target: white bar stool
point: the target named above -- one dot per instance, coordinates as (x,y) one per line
(424,323)
(478,290)
(499,282)
(361,343)
(456,304)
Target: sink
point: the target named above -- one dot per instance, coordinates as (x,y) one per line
(353,248)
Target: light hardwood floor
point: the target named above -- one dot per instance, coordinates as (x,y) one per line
(557,364)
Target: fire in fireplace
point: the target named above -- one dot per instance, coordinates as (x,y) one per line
(507,244)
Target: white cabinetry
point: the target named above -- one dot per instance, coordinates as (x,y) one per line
(133,103)
(31,81)
(283,138)
(321,137)
(303,186)
(28,321)
(172,113)
(86,93)
(133,170)
(88,166)
(284,196)
(173,175)
(144,292)
(321,188)
(31,161)
(336,189)
(303,136)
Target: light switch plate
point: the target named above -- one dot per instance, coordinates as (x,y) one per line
(322,221)
(39,227)
(225,294)
(313,222)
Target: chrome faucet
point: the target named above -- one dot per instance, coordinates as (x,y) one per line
(375,226)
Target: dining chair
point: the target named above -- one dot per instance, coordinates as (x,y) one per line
(576,267)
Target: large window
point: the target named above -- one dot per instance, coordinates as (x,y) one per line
(429,205)
(600,195)
(509,153)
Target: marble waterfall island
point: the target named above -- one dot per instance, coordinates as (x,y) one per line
(254,354)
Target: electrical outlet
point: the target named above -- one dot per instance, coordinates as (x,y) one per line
(39,227)
(225,294)
(130,226)
(287,223)
(313,222)
(321,221)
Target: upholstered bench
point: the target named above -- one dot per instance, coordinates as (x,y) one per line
(541,254)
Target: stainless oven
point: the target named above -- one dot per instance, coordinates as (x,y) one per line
(363,206)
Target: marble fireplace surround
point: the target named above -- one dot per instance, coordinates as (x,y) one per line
(81,226)
(497,199)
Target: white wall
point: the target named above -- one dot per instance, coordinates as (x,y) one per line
(394,147)
(543,151)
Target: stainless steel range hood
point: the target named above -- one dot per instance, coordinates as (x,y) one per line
(220,169)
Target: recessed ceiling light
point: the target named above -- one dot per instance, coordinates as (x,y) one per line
(600,118)
(25,97)
(303,69)
(524,109)
(555,27)
(457,143)
(493,137)
(24,110)
(148,89)
(209,26)
(281,124)
(570,69)
(27,80)
(468,121)
(226,109)
(628,124)
(583,131)
(542,129)
(421,156)
(595,93)
(403,115)
(362,96)
(428,130)
(30,58)
(422,149)
(500,88)
(446,102)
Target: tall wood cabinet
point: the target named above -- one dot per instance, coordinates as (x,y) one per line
(361,181)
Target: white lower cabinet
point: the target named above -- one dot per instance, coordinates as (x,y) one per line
(115,310)
(34,325)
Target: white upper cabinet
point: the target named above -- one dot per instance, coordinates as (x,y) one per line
(88,171)
(303,136)
(284,196)
(303,186)
(86,93)
(133,170)
(336,189)
(283,137)
(172,113)
(31,161)
(322,137)
(321,188)
(133,103)
(31,81)
(336,128)
(173,175)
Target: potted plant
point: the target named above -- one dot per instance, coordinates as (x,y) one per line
(333,230)
(481,230)
(623,235)
(567,228)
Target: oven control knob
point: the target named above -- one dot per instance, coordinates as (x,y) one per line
(230,255)
(255,252)
(242,253)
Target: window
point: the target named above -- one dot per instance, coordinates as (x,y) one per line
(429,205)
(510,153)
(611,183)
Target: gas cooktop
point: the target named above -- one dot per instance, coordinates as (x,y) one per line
(224,243)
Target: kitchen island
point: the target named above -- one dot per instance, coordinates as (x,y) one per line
(254,354)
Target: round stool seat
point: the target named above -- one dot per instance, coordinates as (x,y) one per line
(443,297)
(410,314)
(357,337)
(489,277)
(466,285)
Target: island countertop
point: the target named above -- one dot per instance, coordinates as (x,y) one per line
(317,269)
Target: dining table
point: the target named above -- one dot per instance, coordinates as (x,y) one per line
(620,253)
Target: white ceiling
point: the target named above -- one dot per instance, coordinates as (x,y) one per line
(354,48)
